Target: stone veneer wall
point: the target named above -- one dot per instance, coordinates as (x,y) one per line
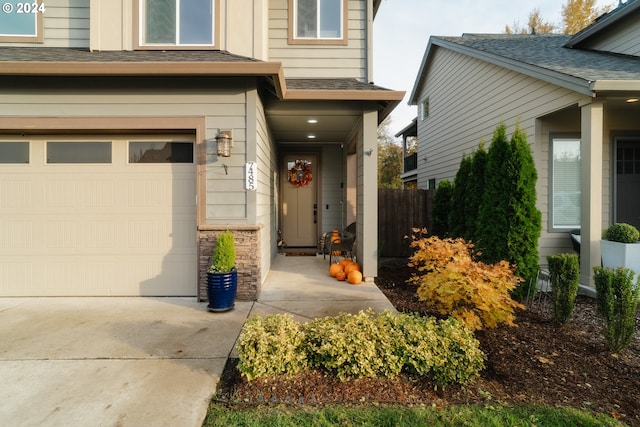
(247,239)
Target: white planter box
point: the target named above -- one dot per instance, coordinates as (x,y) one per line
(616,254)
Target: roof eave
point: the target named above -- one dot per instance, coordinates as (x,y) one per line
(615,86)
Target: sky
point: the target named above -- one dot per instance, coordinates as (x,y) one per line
(402,29)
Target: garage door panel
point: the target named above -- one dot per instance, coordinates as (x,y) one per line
(107,229)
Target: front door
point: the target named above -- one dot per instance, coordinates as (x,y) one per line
(299,203)
(628,181)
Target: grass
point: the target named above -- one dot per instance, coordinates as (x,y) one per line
(379,416)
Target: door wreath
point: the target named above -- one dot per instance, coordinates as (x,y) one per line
(300,174)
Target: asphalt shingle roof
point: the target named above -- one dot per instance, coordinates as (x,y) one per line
(547,51)
(20,54)
(332,84)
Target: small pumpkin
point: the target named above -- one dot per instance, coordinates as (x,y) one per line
(335,269)
(341,276)
(354,277)
(352,266)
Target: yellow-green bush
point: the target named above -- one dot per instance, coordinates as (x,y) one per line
(367,344)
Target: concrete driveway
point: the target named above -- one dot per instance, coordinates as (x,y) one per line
(111,361)
(144,361)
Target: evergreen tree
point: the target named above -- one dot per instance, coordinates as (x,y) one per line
(441,209)
(494,213)
(525,228)
(457,215)
(475,191)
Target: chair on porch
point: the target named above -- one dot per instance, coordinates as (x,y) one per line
(344,246)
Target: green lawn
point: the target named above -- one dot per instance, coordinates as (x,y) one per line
(380,416)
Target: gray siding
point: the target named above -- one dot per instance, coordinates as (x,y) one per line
(305,61)
(66,24)
(623,38)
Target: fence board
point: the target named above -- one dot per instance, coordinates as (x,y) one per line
(398,212)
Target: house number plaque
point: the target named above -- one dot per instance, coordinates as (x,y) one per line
(251,178)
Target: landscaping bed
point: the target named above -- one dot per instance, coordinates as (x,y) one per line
(537,362)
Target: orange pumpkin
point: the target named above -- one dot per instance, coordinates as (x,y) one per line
(344,262)
(352,266)
(335,269)
(341,276)
(354,277)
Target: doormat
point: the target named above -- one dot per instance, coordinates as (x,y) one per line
(301,253)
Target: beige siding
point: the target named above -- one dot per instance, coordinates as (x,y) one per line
(328,61)
(267,191)
(468,98)
(66,24)
(623,38)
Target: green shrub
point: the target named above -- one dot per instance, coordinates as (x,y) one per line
(617,304)
(224,254)
(367,344)
(622,232)
(509,223)
(461,184)
(351,345)
(564,271)
(271,345)
(441,209)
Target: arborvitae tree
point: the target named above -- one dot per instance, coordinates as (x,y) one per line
(461,184)
(475,192)
(509,223)
(494,214)
(441,209)
(525,227)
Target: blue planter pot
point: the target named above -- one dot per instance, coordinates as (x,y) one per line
(221,290)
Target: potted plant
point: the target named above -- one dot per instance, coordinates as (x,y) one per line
(620,247)
(222,276)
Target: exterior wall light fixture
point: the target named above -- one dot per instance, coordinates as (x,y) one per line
(225,142)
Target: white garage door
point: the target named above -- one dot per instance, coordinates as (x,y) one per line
(97,216)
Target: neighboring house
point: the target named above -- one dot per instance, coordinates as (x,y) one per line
(110,115)
(410,159)
(576,97)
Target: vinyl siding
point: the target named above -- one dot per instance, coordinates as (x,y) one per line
(623,38)
(267,191)
(320,61)
(66,24)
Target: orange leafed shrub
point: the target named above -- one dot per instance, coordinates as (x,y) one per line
(454,283)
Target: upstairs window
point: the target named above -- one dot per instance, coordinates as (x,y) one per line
(21,21)
(180,23)
(424,109)
(317,21)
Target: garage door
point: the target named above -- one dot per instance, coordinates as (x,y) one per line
(97,216)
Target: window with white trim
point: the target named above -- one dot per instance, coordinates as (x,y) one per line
(177,22)
(318,19)
(21,21)
(565,184)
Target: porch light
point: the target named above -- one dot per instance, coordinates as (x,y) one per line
(632,100)
(225,142)
(311,136)
(312,121)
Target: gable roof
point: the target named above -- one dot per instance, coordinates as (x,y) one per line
(544,57)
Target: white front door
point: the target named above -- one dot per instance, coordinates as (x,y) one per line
(299,201)
(97,215)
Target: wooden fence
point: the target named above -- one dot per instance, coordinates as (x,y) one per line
(398,212)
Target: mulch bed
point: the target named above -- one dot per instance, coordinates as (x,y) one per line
(537,362)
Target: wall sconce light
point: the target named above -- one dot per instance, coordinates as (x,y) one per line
(225,142)
(369,152)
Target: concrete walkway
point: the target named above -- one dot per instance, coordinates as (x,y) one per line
(143,361)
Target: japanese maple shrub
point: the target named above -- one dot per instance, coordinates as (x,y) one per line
(564,270)
(451,280)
